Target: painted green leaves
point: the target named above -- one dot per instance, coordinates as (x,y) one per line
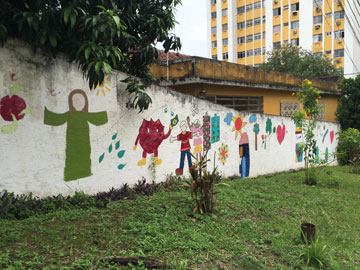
(114,148)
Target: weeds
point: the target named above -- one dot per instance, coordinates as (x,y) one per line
(314,253)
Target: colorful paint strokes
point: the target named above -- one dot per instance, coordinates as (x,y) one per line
(102,88)
(332,133)
(244,153)
(215,129)
(116,147)
(326,132)
(238,124)
(280,133)
(299,153)
(256,130)
(151,135)
(206,132)
(223,153)
(78,149)
(228,118)
(252,118)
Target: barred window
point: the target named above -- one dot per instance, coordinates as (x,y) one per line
(239,103)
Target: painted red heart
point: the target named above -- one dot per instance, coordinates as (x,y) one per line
(280,133)
(332,136)
(12,105)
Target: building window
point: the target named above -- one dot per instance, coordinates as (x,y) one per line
(317,38)
(224,12)
(276,29)
(239,103)
(339,53)
(241,54)
(213,2)
(249,7)
(328,33)
(263,51)
(213,30)
(225,27)
(257,36)
(318,54)
(276,11)
(328,15)
(286,24)
(287,109)
(294,7)
(213,15)
(213,44)
(257,21)
(225,42)
(328,52)
(264,35)
(295,42)
(249,38)
(276,45)
(286,42)
(317,3)
(249,23)
(214,56)
(257,51)
(249,53)
(241,10)
(240,25)
(339,34)
(318,19)
(257,5)
(240,40)
(263,3)
(295,25)
(286,7)
(225,56)
(339,15)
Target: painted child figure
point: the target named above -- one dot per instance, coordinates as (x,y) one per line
(197,133)
(184,137)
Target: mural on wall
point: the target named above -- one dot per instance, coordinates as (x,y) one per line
(252,118)
(116,147)
(332,133)
(269,130)
(280,133)
(327,154)
(215,129)
(223,153)
(206,132)
(184,137)
(151,135)
(197,133)
(228,118)
(102,88)
(324,136)
(244,153)
(298,138)
(256,130)
(12,109)
(238,124)
(78,149)
(194,109)
(13,75)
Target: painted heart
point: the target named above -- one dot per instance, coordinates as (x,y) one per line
(332,136)
(280,133)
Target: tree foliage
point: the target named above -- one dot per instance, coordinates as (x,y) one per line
(296,61)
(348,110)
(100,35)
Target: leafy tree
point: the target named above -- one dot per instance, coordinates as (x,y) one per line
(296,61)
(348,110)
(99,35)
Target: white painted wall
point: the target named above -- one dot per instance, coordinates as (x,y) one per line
(33,156)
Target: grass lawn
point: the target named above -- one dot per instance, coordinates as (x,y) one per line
(257,226)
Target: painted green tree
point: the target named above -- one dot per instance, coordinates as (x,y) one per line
(99,35)
(256,130)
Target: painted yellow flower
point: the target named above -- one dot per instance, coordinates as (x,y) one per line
(293,94)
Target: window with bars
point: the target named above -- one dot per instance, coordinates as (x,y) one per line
(276,45)
(339,34)
(276,29)
(241,10)
(339,53)
(257,51)
(317,38)
(240,25)
(214,56)
(213,30)
(257,36)
(249,23)
(257,5)
(224,12)
(225,42)
(288,108)
(225,27)
(276,11)
(213,44)
(249,38)
(339,15)
(225,56)
(240,40)
(318,19)
(257,21)
(213,15)
(249,7)
(317,3)
(295,25)
(213,2)
(241,54)
(294,7)
(239,103)
(249,53)
(295,42)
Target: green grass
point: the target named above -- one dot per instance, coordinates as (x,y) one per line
(257,226)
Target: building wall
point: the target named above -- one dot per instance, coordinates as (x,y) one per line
(51,151)
(305,32)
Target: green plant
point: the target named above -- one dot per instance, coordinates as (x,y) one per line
(98,35)
(152,168)
(203,183)
(314,253)
(348,148)
(309,98)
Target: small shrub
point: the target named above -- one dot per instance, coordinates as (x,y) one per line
(312,177)
(348,148)
(315,253)
(143,188)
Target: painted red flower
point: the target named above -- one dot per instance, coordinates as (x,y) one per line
(12,105)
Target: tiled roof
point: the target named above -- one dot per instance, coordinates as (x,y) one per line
(171,56)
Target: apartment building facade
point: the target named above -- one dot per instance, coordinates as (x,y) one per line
(243,31)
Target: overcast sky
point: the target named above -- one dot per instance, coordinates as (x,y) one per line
(191,29)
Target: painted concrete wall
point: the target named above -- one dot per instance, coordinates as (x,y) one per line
(51,151)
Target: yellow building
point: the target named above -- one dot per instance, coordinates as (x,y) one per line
(241,87)
(242,31)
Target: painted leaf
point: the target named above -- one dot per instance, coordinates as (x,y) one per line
(121,153)
(117,145)
(16,87)
(121,166)
(114,136)
(25,111)
(110,148)
(10,128)
(101,158)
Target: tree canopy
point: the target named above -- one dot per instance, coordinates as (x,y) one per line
(348,110)
(300,62)
(99,35)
